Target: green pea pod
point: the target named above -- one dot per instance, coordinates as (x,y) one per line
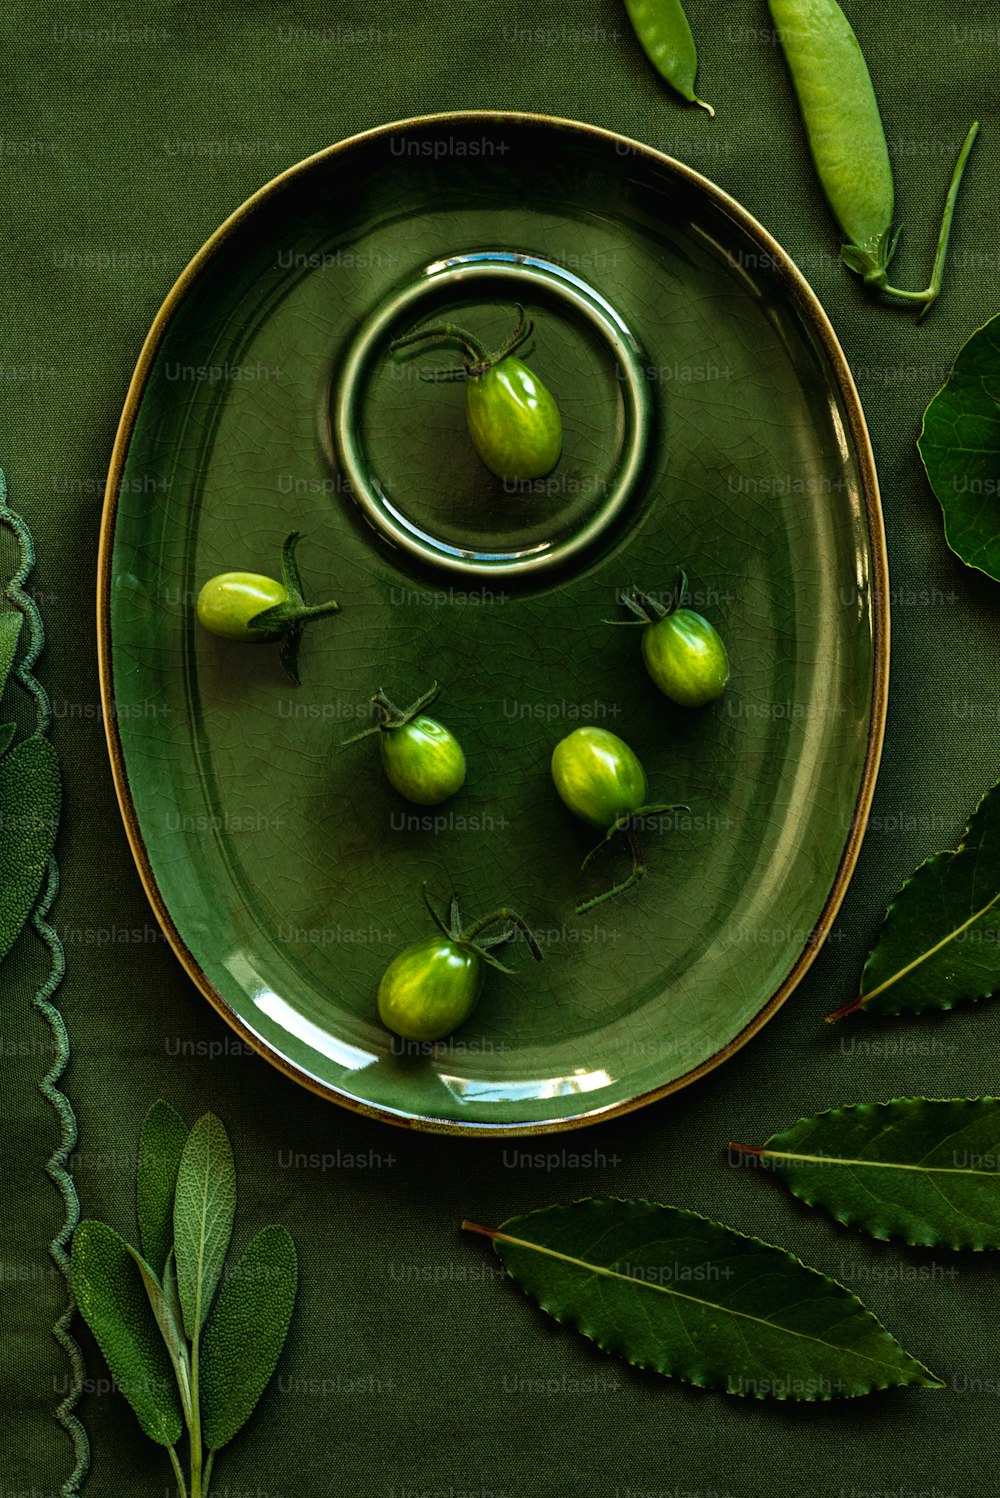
(847,141)
(665,36)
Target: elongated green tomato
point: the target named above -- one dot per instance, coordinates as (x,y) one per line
(599,778)
(422,759)
(844,129)
(228,604)
(512,417)
(686,658)
(514,421)
(254,608)
(683,652)
(664,34)
(429,989)
(433,986)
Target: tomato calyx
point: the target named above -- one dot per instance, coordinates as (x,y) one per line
(286,621)
(649,610)
(629,826)
(478,358)
(390,717)
(471,938)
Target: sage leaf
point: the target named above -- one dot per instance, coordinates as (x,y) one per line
(161,1144)
(926,1170)
(109,1290)
(959,445)
(940,941)
(10,633)
(245,1333)
(7,731)
(204,1207)
(672,1291)
(30,799)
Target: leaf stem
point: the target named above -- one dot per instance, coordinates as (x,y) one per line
(178,1473)
(196,1474)
(477,1227)
(757,1150)
(206,1475)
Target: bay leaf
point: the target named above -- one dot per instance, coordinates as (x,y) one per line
(959,445)
(672,1291)
(204,1208)
(940,942)
(926,1170)
(30,802)
(161,1144)
(245,1333)
(109,1290)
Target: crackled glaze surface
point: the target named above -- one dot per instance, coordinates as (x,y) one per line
(289,872)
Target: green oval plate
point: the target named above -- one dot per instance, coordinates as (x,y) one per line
(286,872)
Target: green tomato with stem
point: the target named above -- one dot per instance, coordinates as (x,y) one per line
(512,416)
(422,759)
(256,609)
(684,653)
(432,987)
(601,780)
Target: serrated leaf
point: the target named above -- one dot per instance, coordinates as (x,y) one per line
(245,1333)
(674,1292)
(161,1144)
(10,633)
(204,1207)
(109,1291)
(926,1170)
(30,800)
(940,941)
(959,444)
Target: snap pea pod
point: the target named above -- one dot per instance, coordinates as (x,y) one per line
(847,141)
(665,36)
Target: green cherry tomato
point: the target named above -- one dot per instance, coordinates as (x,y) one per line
(432,987)
(598,776)
(684,653)
(429,989)
(251,607)
(686,658)
(514,421)
(227,603)
(423,760)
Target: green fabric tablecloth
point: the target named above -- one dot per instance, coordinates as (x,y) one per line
(128,134)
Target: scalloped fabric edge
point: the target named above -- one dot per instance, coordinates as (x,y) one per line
(55,1166)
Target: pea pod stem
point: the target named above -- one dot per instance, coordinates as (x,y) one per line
(877,278)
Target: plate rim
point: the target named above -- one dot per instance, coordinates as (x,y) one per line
(814,315)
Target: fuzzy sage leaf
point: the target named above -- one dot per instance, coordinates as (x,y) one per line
(30,801)
(204,1208)
(940,942)
(245,1333)
(672,1291)
(110,1293)
(161,1144)
(921,1169)
(10,633)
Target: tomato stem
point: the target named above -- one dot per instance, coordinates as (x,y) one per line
(390,716)
(478,357)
